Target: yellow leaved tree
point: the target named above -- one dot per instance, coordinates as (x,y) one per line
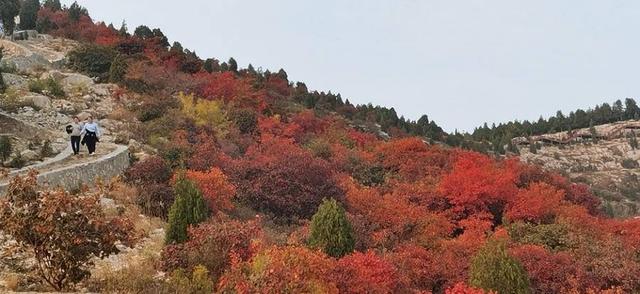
(206,113)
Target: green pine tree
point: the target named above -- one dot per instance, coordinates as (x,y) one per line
(533,147)
(331,230)
(9,9)
(633,141)
(118,69)
(5,148)
(3,87)
(54,5)
(29,14)
(189,208)
(593,132)
(492,268)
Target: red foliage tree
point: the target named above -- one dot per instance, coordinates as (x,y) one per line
(413,159)
(478,184)
(281,178)
(537,203)
(462,288)
(550,272)
(237,91)
(365,273)
(281,269)
(214,244)
(215,188)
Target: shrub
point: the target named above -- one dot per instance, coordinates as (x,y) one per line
(206,113)
(47,87)
(551,236)
(94,60)
(212,244)
(215,187)
(492,268)
(246,120)
(151,170)
(64,232)
(296,269)
(280,178)
(368,174)
(366,273)
(198,283)
(320,148)
(17,161)
(118,69)
(630,163)
(11,101)
(188,209)
(5,147)
(46,150)
(331,230)
(155,199)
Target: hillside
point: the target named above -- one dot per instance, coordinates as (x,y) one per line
(242,181)
(608,163)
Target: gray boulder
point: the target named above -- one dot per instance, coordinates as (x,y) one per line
(55,74)
(39,101)
(74,82)
(15,81)
(29,155)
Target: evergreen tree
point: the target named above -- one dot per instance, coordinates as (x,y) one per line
(189,208)
(76,11)
(143,32)
(211,65)
(493,269)
(233,65)
(52,4)
(118,69)
(633,141)
(593,132)
(157,33)
(9,9)
(123,31)
(5,148)
(177,47)
(331,230)
(533,147)
(3,87)
(29,14)
(631,109)
(512,148)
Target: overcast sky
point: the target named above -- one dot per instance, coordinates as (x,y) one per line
(460,62)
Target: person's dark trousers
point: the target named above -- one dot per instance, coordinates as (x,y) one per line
(75,144)
(90,139)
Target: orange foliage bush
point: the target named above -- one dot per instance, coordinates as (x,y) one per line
(365,273)
(537,203)
(215,188)
(281,269)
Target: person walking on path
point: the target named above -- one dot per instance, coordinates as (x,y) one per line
(91,133)
(76,130)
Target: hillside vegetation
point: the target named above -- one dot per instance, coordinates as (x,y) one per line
(264,186)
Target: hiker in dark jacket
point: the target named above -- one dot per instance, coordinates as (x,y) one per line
(91,133)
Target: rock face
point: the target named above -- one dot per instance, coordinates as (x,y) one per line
(608,165)
(29,155)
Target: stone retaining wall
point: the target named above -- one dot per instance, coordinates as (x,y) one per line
(86,173)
